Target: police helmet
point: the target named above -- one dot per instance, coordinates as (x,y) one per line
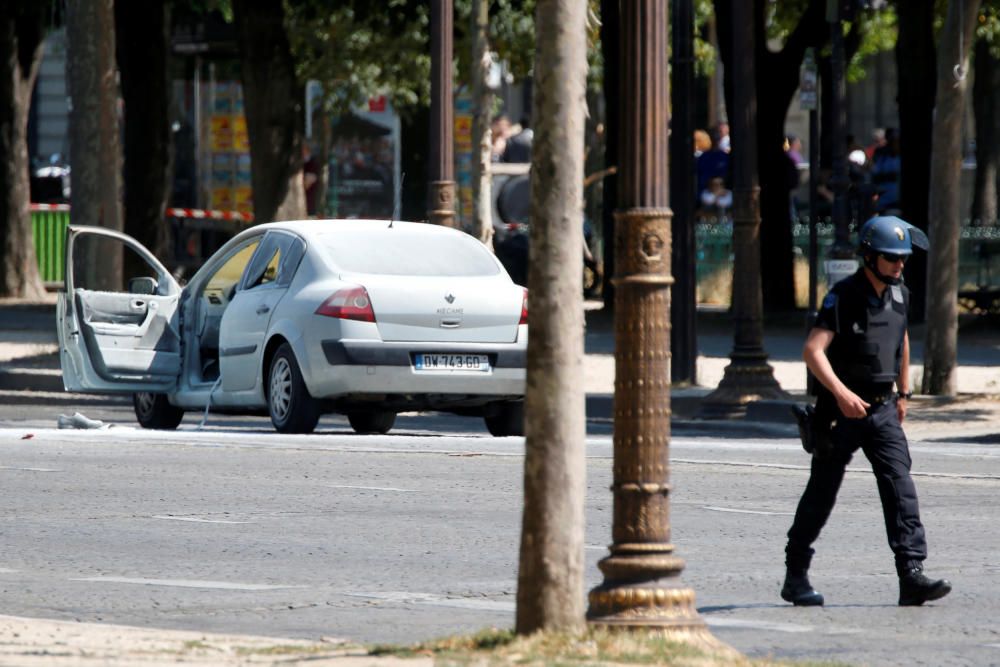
(890,234)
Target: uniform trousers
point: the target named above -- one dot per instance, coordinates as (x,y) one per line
(880,436)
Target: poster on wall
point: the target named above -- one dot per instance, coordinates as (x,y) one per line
(464,157)
(228,186)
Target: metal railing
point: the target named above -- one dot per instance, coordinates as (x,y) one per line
(978,249)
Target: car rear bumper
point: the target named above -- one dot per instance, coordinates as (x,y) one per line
(347,353)
(366,367)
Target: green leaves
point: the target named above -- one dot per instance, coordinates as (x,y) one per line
(356,52)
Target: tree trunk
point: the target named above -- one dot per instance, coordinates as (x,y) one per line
(21,25)
(610,50)
(273,103)
(93,127)
(984,103)
(143,31)
(482,179)
(941,346)
(777,80)
(915,66)
(550,577)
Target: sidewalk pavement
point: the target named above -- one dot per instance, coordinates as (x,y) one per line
(29,363)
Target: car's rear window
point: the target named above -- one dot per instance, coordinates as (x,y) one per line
(402,252)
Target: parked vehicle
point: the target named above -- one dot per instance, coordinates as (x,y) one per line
(295,319)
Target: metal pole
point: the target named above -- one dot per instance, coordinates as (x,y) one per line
(441,190)
(684,309)
(813,208)
(642,584)
(748,377)
(838,113)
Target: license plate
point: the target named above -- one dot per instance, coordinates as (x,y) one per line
(475,363)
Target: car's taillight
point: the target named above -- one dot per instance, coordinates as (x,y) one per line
(524,308)
(351,303)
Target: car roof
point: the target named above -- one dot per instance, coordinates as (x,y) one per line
(310,229)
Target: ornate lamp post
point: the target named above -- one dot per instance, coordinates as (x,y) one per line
(642,584)
(441,172)
(748,377)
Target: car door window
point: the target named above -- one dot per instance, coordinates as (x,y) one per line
(275,261)
(295,248)
(258,273)
(222,282)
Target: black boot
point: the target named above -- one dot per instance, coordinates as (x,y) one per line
(798,590)
(915,588)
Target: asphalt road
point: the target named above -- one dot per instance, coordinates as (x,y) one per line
(414,535)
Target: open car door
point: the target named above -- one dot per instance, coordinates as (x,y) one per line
(116,338)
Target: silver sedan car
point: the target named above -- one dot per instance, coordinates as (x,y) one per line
(294,319)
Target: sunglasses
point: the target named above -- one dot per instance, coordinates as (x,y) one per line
(892,259)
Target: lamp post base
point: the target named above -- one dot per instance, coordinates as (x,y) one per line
(642,587)
(642,592)
(748,378)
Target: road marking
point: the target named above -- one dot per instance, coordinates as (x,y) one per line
(7,570)
(194,519)
(864,471)
(369,488)
(738,511)
(595,547)
(406,597)
(757,625)
(187,583)
(30,469)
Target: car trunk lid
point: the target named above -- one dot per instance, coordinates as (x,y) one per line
(436,309)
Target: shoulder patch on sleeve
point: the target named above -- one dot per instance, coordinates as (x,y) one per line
(830,300)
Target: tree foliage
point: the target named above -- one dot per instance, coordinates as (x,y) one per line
(357,49)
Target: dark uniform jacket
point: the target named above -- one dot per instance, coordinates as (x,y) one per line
(867,348)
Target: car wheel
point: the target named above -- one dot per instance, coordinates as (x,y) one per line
(505,419)
(371,421)
(155,411)
(292,409)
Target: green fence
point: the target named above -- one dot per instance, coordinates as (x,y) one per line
(978,250)
(48,224)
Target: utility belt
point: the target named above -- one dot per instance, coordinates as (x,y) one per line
(816,422)
(877,394)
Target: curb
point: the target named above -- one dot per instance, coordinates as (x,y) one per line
(15,378)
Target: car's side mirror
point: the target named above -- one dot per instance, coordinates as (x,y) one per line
(142,285)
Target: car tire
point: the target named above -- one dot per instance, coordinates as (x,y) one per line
(292,408)
(377,422)
(155,411)
(505,419)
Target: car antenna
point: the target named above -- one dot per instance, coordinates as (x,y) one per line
(399,198)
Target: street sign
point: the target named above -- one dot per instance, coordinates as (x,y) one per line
(838,269)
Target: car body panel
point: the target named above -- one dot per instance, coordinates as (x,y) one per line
(116,341)
(229,322)
(444,309)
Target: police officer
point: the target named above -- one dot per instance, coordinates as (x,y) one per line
(858,349)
